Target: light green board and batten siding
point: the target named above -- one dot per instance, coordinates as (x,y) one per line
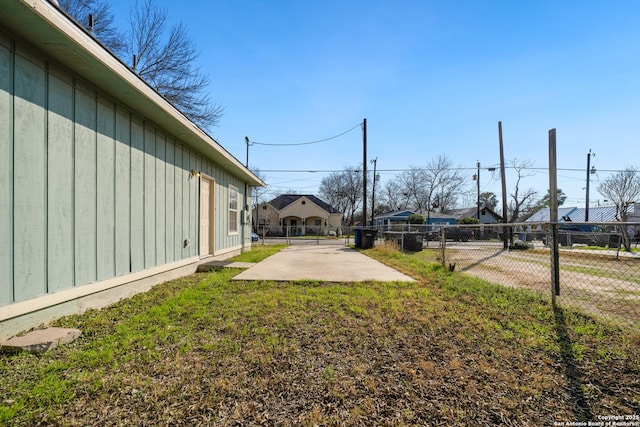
(88,189)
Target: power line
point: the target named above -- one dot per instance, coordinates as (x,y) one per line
(307,143)
(470,168)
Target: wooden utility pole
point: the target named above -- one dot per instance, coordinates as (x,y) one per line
(478,186)
(364,173)
(586,205)
(553,217)
(373,194)
(504,186)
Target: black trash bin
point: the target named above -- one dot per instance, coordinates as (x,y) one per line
(412,242)
(564,239)
(394,237)
(614,241)
(367,239)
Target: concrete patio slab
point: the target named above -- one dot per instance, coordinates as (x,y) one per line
(328,263)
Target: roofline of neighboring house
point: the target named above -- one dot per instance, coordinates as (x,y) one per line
(393,214)
(49,28)
(473,210)
(308,196)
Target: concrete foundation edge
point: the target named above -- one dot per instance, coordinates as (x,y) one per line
(100,299)
(44,310)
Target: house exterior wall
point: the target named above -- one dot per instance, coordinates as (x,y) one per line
(266,216)
(440,221)
(486,217)
(90,190)
(303,210)
(335,220)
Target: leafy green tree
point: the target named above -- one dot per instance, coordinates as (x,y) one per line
(415,219)
(544,202)
(489,199)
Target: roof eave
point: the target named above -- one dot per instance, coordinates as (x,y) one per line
(45,26)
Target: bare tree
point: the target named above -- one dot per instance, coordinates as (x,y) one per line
(392,195)
(444,183)
(103,28)
(166,59)
(412,183)
(623,189)
(258,194)
(343,190)
(436,186)
(520,199)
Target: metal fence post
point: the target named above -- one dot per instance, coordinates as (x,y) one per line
(443,239)
(555,262)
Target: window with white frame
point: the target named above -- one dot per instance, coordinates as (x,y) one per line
(233,209)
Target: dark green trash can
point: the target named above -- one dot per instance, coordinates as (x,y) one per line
(412,242)
(614,241)
(367,239)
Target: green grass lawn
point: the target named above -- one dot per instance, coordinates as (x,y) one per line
(446,350)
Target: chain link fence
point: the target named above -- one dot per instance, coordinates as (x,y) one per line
(293,235)
(595,267)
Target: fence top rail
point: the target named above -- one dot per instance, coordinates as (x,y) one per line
(535,224)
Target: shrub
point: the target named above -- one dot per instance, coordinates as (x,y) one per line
(469,220)
(415,219)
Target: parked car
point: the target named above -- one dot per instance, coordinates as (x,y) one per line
(585,228)
(456,234)
(586,234)
(254,237)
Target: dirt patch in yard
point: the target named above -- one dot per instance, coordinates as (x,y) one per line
(602,285)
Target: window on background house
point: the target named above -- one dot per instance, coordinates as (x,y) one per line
(233,209)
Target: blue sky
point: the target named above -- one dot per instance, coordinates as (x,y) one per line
(431,77)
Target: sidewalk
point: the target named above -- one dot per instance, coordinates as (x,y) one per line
(327,263)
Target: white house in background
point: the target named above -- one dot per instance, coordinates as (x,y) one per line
(105,187)
(296,214)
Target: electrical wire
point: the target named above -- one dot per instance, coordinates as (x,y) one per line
(421,169)
(307,143)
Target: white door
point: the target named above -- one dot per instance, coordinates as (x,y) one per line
(205,217)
